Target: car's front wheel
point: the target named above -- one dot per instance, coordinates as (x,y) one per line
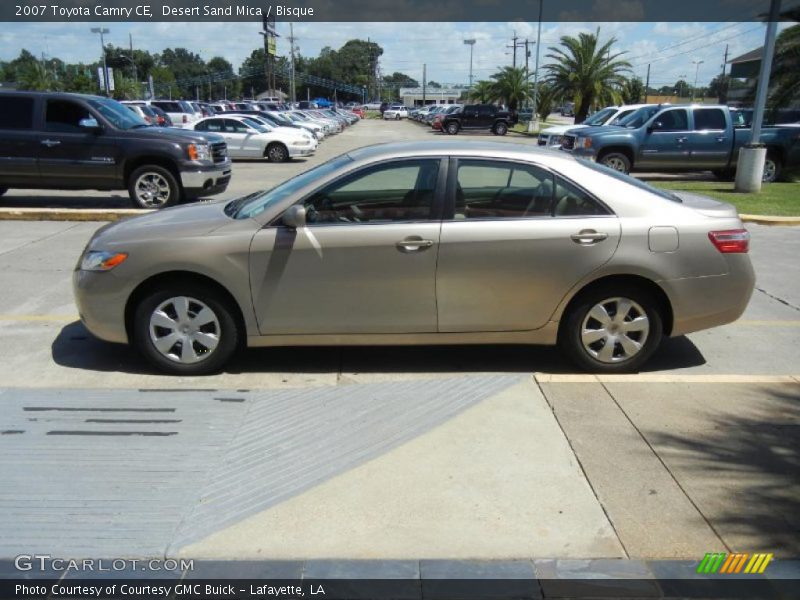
(617,161)
(452,128)
(185,330)
(610,330)
(152,186)
(276,152)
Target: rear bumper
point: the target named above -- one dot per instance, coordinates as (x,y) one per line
(206,181)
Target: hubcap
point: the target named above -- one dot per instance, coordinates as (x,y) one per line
(615,163)
(769,171)
(152,190)
(276,153)
(184,330)
(615,330)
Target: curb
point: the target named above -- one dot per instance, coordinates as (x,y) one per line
(115,214)
(69,214)
(765,220)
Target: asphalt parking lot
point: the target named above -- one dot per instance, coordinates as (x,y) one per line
(445,452)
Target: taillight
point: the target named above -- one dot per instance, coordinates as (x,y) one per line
(731,241)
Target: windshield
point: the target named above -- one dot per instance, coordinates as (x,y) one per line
(599,118)
(250,206)
(629,180)
(118,114)
(638,117)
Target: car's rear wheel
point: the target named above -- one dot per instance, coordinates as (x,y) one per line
(276,152)
(500,129)
(151,186)
(452,128)
(617,161)
(185,330)
(611,330)
(772,168)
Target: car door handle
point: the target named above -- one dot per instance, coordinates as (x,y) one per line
(721,139)
(681,140)
(587,237)
(50,143)
(414,244)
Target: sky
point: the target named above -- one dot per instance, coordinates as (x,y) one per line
(670,48)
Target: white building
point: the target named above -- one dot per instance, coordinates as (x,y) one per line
(433,95)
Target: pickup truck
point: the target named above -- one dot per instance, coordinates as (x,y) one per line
(479,116)
(682,138)
(611,115)
(78,142)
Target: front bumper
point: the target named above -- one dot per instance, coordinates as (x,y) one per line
(301,150)
(100,298)
(206,180)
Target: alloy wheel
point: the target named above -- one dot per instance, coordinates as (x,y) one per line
(615,163)
(152,190)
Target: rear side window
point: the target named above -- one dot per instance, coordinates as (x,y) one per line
(172,107)
(16,112)
(488,189)
(674,120)
(709,118)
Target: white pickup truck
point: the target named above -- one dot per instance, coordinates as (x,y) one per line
(551,137)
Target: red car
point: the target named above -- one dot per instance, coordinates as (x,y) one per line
(358,111)
(437,122)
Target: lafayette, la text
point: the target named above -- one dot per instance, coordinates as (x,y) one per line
(149,11)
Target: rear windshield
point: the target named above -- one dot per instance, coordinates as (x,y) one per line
(16,112)
(630,180)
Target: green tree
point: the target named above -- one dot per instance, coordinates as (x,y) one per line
(511,85)
(37,77)
(633,91)
(586,71)
(164,83)
(125,88)
(785,77)
(482,92)
(545,100)
(78,79)
(434,84)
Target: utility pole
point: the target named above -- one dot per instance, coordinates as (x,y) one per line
(292,90)
(533,124)
(723,90)
(647,84)
(133,62)
(697,64)
(424,82)
(513,46)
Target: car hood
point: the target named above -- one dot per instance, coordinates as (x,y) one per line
(180,221)
(705,205)
(176,135)
(562,129)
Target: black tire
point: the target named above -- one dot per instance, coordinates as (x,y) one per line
(397,117)
(228,333)
(3,190)
(452,128)
(500,128)
(617,161)
(772,168)
(153,196)
(572,325)
(276,152)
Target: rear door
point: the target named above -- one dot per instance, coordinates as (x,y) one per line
(19,141)
(710,140)
(514,241)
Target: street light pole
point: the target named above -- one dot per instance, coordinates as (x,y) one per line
(697,64)
(533,124)
(471,44)
(102,31)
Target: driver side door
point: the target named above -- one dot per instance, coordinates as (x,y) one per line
(364,263)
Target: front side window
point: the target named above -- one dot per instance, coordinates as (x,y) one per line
(673,120)
(65,116)
(502,190)
(395,192)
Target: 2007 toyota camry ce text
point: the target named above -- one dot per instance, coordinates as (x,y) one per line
(422,243)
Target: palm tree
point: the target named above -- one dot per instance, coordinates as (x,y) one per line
(545,100)
(37,78)
(785,76)
(512,86)
(482,92)
(587,72)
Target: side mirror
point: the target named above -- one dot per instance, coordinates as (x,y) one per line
(89,123)
(295,216)
(655,126)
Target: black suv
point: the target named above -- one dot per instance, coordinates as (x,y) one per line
(78,142)
(479,116)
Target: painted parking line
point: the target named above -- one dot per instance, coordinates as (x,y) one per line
(662,378)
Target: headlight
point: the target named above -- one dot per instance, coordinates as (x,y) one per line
(199,152)
(555,140)
(102,261)
(583,142)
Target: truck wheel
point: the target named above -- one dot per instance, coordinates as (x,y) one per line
(452,128)
(617,161)
(772,168)
(500,128)
(276,153)
(185,329)
(611,330)
(3,191)
(151,186)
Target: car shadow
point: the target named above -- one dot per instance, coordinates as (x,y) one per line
(77,201)
(76,348)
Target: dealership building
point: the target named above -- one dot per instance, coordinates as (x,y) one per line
(431,95)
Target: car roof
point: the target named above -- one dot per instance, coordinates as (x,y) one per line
(472,148)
